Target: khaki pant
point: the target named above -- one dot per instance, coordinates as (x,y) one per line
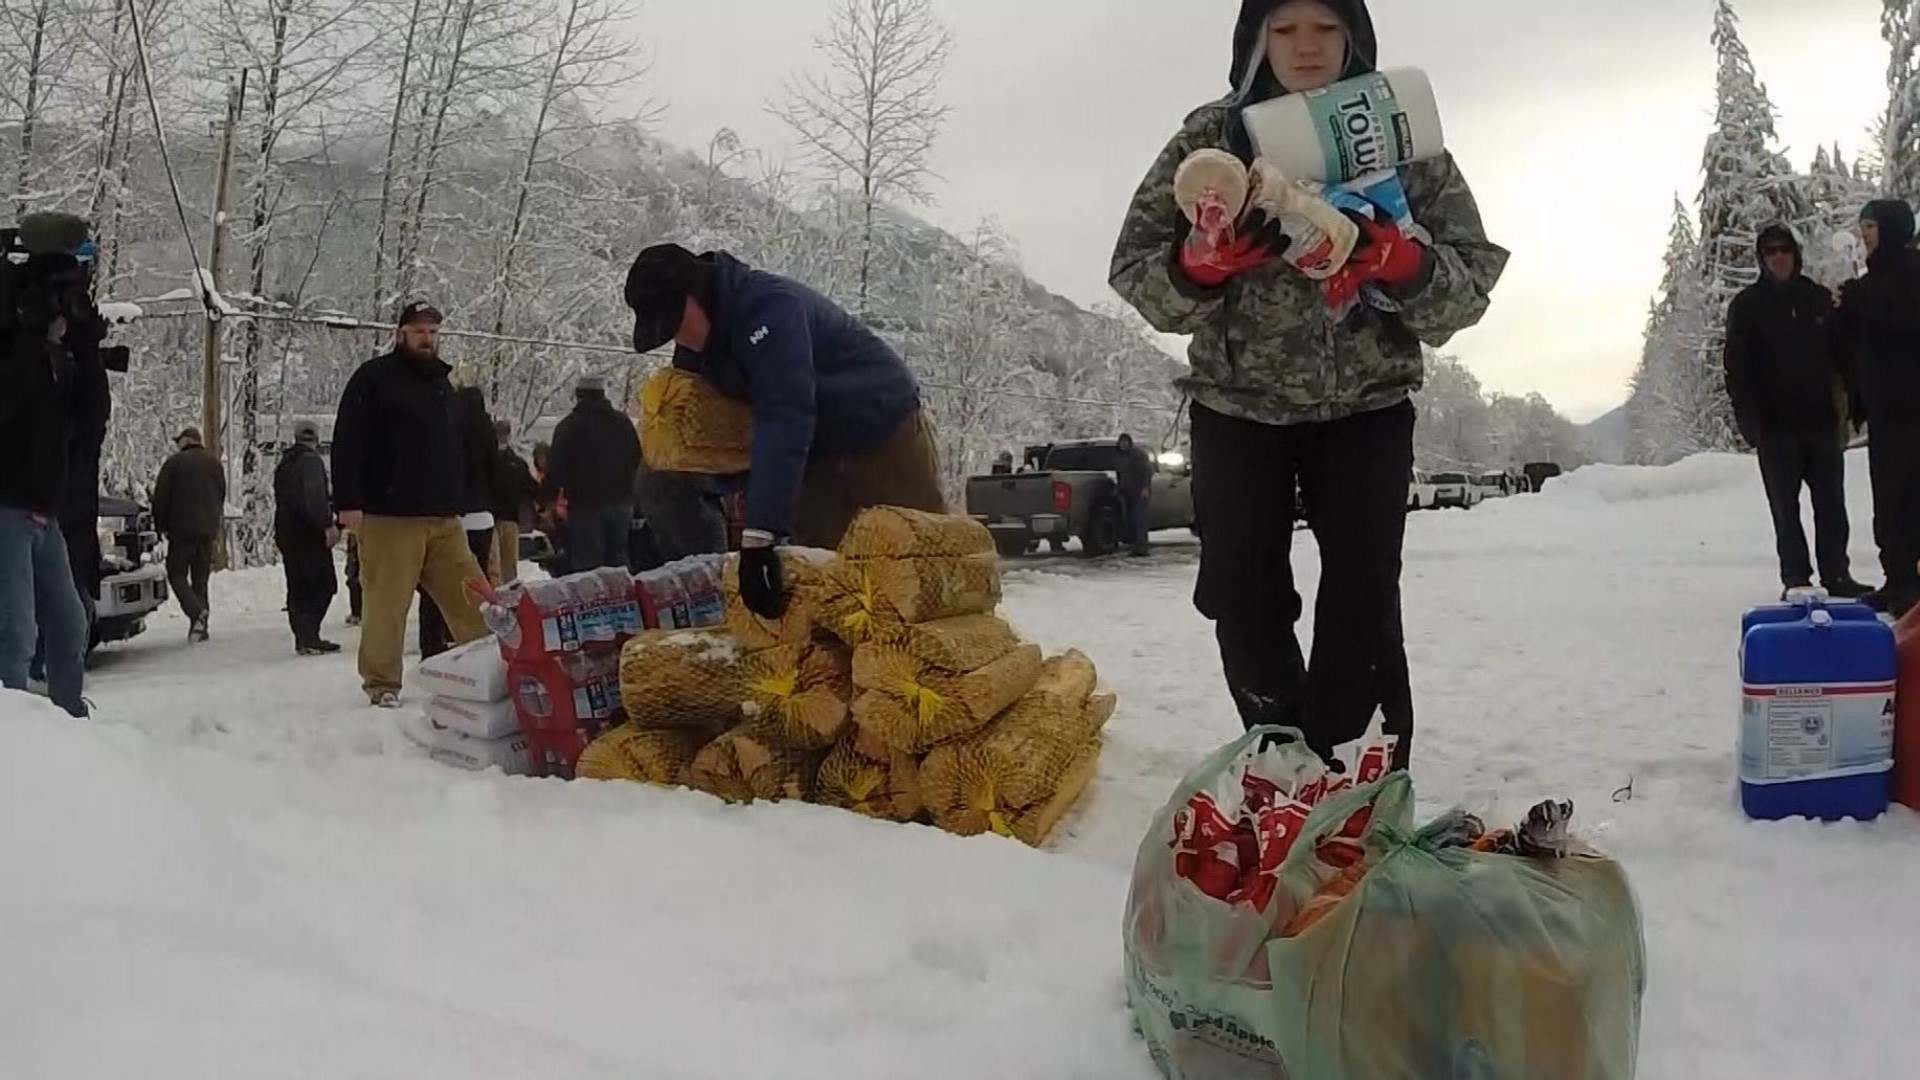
(506,552)
(398,555)
(903,471)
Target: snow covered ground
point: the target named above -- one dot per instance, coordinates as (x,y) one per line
(243,872)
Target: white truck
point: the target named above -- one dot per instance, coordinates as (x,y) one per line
(133,573)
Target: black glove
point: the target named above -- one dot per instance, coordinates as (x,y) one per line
(763,583)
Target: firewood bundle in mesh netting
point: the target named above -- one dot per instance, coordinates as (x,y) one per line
(1037,754)
(889,688)
(688,426)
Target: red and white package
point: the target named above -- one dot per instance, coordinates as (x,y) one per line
(1231,841)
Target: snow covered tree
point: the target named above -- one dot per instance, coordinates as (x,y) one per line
(1747,186)
(1836,194)
(1899,142)
(1673,390)
(870,123)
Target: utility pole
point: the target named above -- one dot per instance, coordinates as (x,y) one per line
(211,387)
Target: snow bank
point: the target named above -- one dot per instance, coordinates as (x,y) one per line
(193,915)
(1701,474)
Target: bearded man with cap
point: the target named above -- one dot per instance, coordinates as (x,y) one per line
(400,484)
(305,532)
(837,421)
(1880,326)
(1284,395)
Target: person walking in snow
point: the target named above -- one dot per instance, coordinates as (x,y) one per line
(189,505)
(1135,478)
(837,422)
(1880,327)
(306,534)
(399,481)
(1282,391)
(594,462)
(1784,373)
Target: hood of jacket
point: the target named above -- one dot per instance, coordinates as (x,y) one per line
(1251,79)
(1776,234)
(1895,219)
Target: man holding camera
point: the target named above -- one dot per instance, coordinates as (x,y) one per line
(45,406)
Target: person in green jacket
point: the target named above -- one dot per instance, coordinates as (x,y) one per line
(1292,381)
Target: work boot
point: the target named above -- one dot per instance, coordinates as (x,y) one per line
(306,636)
(1845,588)
(197,630)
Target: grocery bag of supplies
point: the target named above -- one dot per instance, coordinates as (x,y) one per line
(1283,923)
(472,672)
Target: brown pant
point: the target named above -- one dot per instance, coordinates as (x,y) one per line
(506,552)
(903,471)
(398,555)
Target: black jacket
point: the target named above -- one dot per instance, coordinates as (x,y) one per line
(1880,322)
(190,497)
(1783,359)
(480,456)
(1135,473)
(396,445)
(301,507)
(596,455)
(514,488)
(39,413)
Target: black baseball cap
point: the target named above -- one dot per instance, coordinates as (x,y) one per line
(420,311)
(662,278)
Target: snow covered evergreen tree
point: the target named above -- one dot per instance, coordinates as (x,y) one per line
(1671,389)
(1836,194)
(1747,186)
(1900,130)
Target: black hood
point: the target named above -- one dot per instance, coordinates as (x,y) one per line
(1363,48)
(1776,234)
(1895,219)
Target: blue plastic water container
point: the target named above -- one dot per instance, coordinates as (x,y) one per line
(1816,726)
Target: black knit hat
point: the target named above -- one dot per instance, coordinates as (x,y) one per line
(658,285)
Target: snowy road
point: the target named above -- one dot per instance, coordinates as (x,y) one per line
(244,872)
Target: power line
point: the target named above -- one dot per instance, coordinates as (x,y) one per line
(350,323)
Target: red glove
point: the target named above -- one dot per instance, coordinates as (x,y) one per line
(1227,240)
(1385,255)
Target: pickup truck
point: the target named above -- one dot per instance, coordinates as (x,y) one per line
(133,574)
(1068,489)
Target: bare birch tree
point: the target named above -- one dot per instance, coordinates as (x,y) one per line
(870,120)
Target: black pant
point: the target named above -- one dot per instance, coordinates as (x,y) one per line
(597,535)
(1813,458)
(435,638)
(189,565)
(311,584)
(1353,474)
(353,576)
(1893,460)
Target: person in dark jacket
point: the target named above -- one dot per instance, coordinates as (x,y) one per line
(305,532)
(837,422)
(596,458)
(1785,376)
(515,494)
(41,408)
(80,511)
(480,452)
(1135,478)
(189,504)
(400,484)
(1880,325)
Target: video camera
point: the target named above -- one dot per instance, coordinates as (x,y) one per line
(46,273)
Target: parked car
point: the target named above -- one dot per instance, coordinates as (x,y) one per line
(1068,490)
(1455,489)
(1421,492)
(133,573)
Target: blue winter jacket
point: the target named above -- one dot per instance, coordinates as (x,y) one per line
(820,383)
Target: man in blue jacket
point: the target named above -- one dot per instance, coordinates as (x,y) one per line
(837,423)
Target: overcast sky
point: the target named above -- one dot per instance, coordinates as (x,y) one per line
(1575,122)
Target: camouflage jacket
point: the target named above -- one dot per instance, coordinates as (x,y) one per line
(1265,346)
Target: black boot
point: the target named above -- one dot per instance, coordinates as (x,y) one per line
(307,639)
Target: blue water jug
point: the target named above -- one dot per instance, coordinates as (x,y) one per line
(1816,728)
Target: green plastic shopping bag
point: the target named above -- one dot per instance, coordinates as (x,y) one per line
(1384,952)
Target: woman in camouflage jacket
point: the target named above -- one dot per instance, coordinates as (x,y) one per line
(1287,392)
